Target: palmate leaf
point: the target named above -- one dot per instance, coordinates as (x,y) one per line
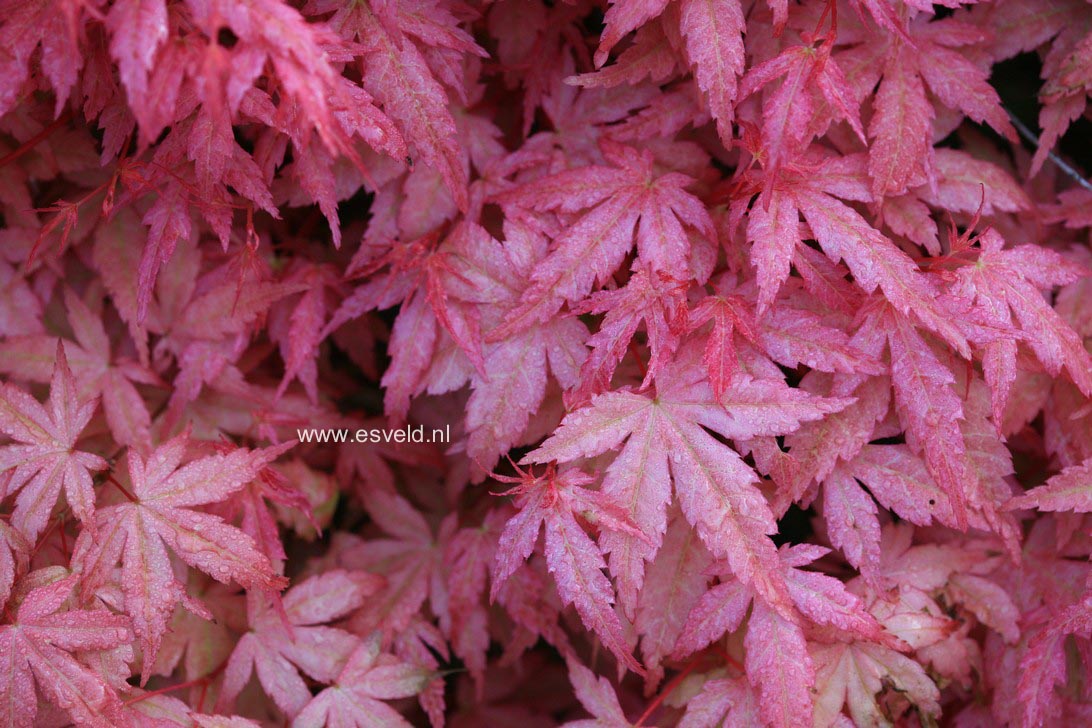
(355,698)
(44,460)
(158,514)
(665,433)
(674,582)
(777,659)
(97,372)
(510,377)
(853,675)
(816,191)
(37,646)
(279,645)
(650,296)
(399,76)
(407,555)
(629,202)
(1009,282)
(574,560)
(598,697)
(1069,490)
(713,34)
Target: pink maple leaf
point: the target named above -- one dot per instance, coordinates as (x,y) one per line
(357,695)
(38,645)
(157,513)
(44,461)
(282,641)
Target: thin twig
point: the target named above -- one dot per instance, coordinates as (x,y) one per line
(668,689)
(1063,165)
(36,139)
(203,681)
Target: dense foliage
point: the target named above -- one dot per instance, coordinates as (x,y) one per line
(760,333)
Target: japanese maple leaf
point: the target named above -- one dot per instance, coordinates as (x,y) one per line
(14,558)
(811,188)
(158,512)
(901,154)
(897,476)
(651,297)
(373,464)
(423,646)
(99,374)
(44,459)
(398,75)
(418,275)
(118,265)
(962,576)
(793,336)
(137,29)
(168,221)
(961,455)
(626,200)
(727,702)
(772,641)
(1063,32)
(664,432)
(1069,490)
(1064,94)
(674,582)
(1007,283)
(607,97)
(311,95)
(265,32)
(156,709)
(598,697)
(729,314)
(257,521)
(195,646)
(37,646)
(1043,671)
(810,75)
(355,699)
(853,675)
(513,385)
(20,309)
(819,599)
(409,558)
(553,499)
(712,35)
(1043,666)
(816,447)
(852,521)
(58,31)
(207,140)
(929,408)
(468,555)
(623,17)
(281,643)
(788,335)
(961,183)
(900,481)
(210,316)
(297,325)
